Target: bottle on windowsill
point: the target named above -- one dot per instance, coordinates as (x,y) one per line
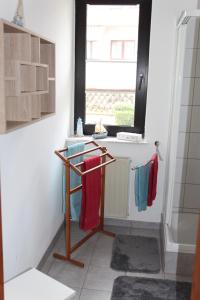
(79,128)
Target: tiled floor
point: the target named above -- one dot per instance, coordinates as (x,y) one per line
(95,281)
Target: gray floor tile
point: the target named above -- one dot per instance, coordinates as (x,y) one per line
(75,237)
(102,252)
(47,265)
(68,274)
(117,222)
(118,229)
(101,260)
(84,253)
(101,278)
(76,231)
(78,293)
(95,295)
(145,232)
(104,242)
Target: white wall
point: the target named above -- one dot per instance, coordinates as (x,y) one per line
(30,172)
(159,99)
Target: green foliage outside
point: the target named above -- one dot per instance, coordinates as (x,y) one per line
(124,114)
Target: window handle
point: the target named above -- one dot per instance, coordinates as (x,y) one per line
(141,76)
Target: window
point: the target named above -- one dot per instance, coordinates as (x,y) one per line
(111,64)
(122,50)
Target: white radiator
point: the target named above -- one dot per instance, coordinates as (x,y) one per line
(117,188)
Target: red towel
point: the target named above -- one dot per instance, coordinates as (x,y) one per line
(91,194)
(153,179)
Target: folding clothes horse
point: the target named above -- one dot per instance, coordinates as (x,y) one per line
(105,159)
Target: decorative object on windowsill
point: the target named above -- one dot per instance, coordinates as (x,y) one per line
(128,136)
(19,15)
(100,131)
(79,128)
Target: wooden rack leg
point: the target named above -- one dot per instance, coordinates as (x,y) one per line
(68,225)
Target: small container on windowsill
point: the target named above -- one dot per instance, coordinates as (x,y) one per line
(100,135)
(129,136)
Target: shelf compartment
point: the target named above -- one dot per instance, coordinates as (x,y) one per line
(10,68)
(12,88)
(35,49)
(42,83)
(18,109)
(17,46)
(48,100)
(47,56)
(12,75)
(36,106)
(28,78)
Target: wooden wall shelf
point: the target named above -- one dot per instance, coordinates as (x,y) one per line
(27,77)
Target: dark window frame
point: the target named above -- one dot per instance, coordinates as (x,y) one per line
(142,64)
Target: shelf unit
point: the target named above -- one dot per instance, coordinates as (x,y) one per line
(27,77)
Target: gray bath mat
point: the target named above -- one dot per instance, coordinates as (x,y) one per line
(135,254)
(134,288)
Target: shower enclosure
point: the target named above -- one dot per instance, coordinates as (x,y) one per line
(183,197)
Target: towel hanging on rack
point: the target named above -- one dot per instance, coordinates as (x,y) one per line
(91,194)
(75,180)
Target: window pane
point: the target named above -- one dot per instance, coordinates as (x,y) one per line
(116,50)
(129,50)
(111,63)
(89,50)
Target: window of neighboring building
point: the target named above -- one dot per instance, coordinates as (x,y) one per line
(111,64)
(92,50)
(122,50)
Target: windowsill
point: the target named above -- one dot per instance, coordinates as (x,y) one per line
(109,139)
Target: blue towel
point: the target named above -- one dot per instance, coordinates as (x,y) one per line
(142,186)
(75,180)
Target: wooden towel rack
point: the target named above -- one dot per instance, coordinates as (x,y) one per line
(77,168)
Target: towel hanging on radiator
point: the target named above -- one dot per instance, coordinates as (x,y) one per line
(141,186)
(146,183)
(153,179)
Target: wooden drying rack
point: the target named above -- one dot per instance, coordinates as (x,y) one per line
(77,169)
